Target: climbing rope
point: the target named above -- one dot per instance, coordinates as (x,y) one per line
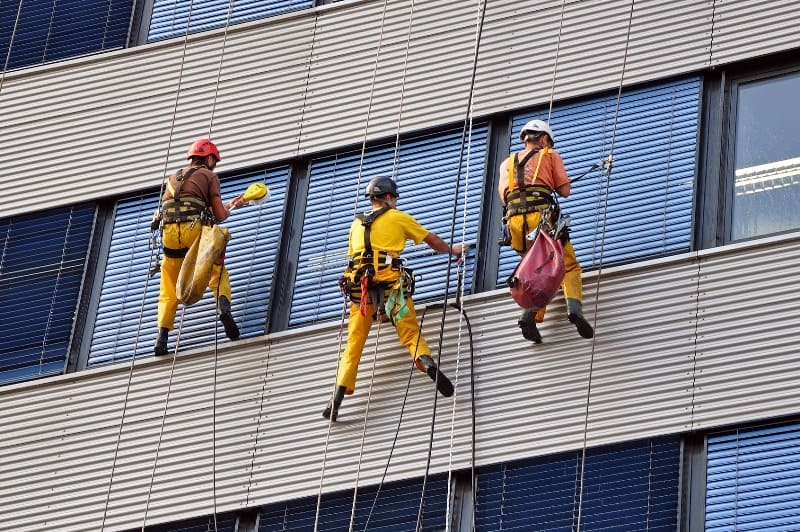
(600,271)
(344,308)
(10,46)
(466,139)
(555,62)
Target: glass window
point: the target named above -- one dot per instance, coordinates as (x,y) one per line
(126,314)
(628,486)
(49,30)
(42,263)
(766,169)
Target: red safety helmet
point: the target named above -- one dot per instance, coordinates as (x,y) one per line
(203,147)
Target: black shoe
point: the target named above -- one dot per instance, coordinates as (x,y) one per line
(161,341)
(443,384)
(225,316)
(332,410)
(584,329)
(527,323)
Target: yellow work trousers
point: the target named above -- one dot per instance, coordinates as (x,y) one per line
(358,327)
(182,236)
(571,285)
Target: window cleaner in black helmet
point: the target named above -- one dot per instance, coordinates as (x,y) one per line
(528,180)
(376,276)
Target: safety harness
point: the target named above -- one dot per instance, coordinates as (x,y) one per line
(368,290)
(522,198)
(179,209)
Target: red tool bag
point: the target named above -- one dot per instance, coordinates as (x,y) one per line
(539,274)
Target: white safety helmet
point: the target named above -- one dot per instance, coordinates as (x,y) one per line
(536,126)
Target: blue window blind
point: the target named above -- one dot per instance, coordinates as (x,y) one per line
(49,30)
(395,510)
(170,17)
(427,177)
(125,309)
(42,262)
(651,190)
(753,479)
(630,486)
(212,523)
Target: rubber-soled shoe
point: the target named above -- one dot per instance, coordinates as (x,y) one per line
(161,341)
(584,329)
(332,410)
(528,325)
(225,316)
(443,384)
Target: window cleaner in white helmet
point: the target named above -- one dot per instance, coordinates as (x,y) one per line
(528,180)
(380,287)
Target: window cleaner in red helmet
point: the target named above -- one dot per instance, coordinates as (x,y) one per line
(528,180)
(380,288)
(191,201)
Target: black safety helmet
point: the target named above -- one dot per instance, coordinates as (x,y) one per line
(380,186)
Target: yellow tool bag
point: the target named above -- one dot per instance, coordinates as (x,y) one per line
(198,265)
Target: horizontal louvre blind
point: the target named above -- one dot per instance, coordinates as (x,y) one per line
(650,192)
(42,262)
(49,30)
(427,178)
(396,509)
(250,260)
(753,479)
(216,523)
(629,486)
(170,17)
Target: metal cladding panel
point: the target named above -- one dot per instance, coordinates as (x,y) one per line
(748,28)
(584,50)
(747,333)
(284,79)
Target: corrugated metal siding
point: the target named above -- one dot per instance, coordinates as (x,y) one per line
(653,371)
(645,208)
(753,479)
(428,173)
(126,316)
(747,28)
(286,78)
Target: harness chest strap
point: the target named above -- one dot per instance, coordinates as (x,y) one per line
(367,267)
(186,209)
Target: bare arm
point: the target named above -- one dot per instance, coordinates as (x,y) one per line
(220,211)
(436,243)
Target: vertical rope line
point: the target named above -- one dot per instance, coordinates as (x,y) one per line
(364,430)
(260,417)
(163,418)
(305,88)
(649,484)
(396,159)
(369,107)
(55,290)
(600,265)
(481,6)
(146,284)
(330,421)
(355,212)
(555,63)
(10,46)
(49,31)
(219,67)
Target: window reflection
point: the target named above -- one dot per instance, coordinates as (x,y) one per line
(767,157)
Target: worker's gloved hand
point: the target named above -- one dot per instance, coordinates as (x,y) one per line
(344,285)
(156,222)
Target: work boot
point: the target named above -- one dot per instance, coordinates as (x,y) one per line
(443,384)
(161,341)
(332,410)
(527,323)
(225,316)
(575,309)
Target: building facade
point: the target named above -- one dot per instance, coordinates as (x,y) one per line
(680,414)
